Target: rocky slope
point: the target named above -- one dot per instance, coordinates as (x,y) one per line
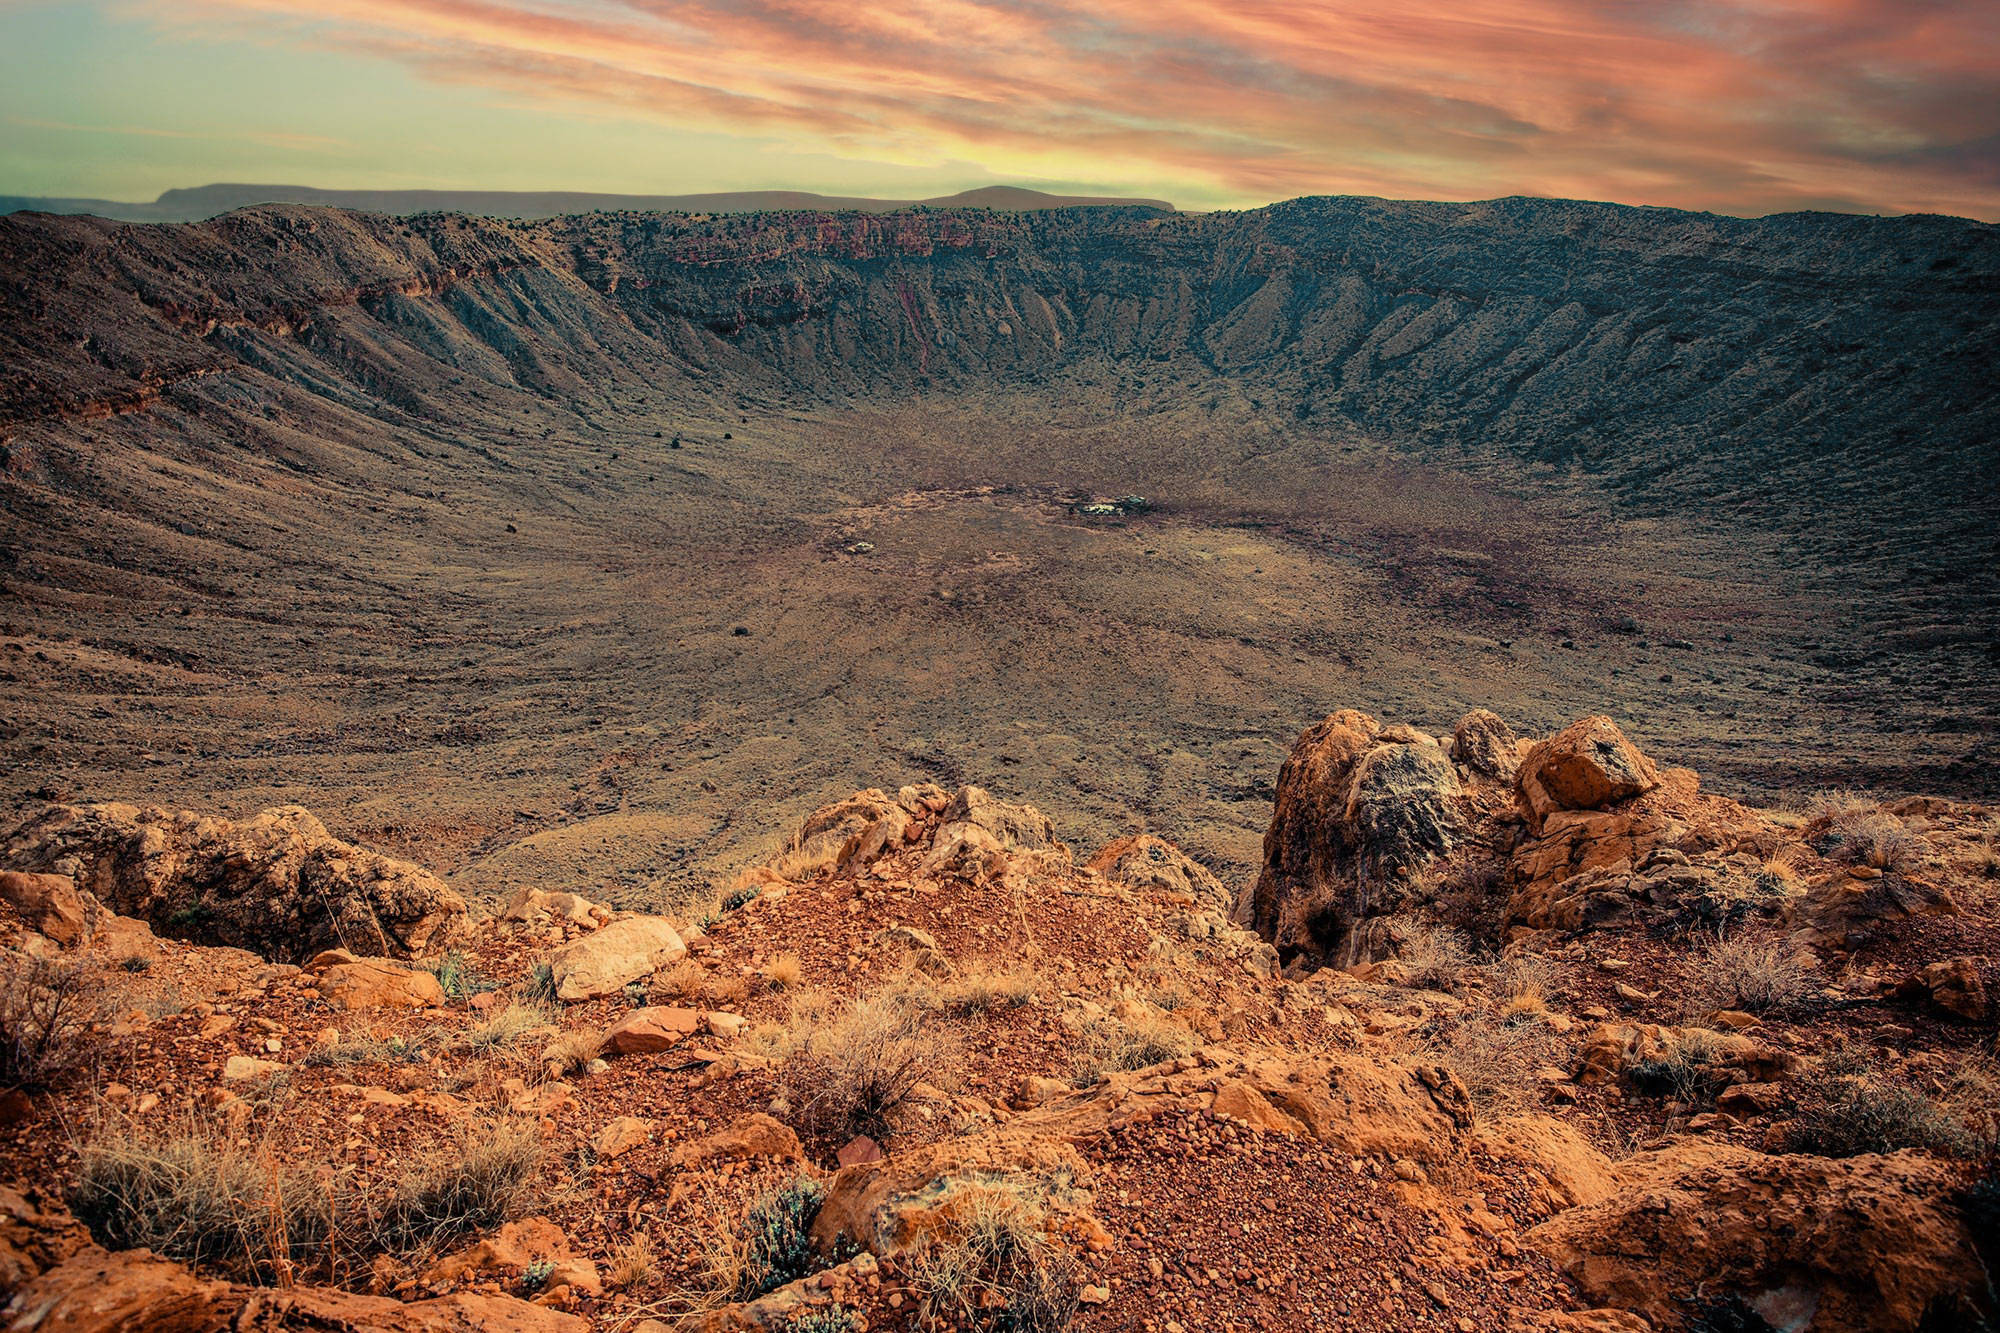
(1606,1053)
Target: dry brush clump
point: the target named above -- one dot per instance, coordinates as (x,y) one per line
(194,1194)
(1113,1043)
(46,1009)
(845,1067)
(1737,972)
(471,1182)
(993,1266)
(1498,1059)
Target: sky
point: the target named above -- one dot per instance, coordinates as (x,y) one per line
(1736,106)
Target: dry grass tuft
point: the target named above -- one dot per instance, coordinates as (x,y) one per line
(1855,831)
(1499,1062)
(784,972)
(846,1067)
(194,1195)
(1109,1044)
(1740,973)
(996,1268)
(46,1008)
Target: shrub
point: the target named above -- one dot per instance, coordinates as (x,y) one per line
(1109,1044)
(45,1009)
(540,987)
(471,1184)
(1739,973)
(845,1070)
(1526,983)
(684,981)
(1497,1061)
(193,1195)
(997,1269)
(1848,1115)
(775,1244)
(537,1274)
(826,1319)
(1436,956)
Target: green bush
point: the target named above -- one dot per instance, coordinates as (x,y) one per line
(777,1237)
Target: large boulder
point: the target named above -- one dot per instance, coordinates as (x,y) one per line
(606,961)
(278,884)
(1358,807)
(377,983)
(1486,745)
(1588,765)
(1861,1244)
(48,904)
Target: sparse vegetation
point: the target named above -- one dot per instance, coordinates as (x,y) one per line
(1109,1043)
(976,992)
(1737,972)
(774,1244)
(1498,1061)
(473,1182)
(46,1008)
(996,1269)
(540,987)
(845,1068)
(825,1319)
(784,972)
(1525,983)
(1847,1108)
(363,1050)
(195,1195)
(684,981)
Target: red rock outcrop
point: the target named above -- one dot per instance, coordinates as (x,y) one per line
(278,884)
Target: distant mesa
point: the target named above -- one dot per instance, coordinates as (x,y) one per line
(207,201)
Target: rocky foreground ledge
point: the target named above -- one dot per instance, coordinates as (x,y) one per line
(1521,1034)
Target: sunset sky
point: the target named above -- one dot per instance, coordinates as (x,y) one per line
(1741,106)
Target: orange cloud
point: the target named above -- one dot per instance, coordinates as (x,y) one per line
(1738,105)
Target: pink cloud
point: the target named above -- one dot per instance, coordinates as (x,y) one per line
(1738,105)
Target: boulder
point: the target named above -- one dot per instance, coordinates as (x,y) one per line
(1357,808)
(610,958)
(1861,1243)
(376,983)
(1154,865)
(1009,827)
(853,831)
(751,1135)
(278,884)
(620,1135)
(650,1028)
(1486,745)
(1588,765)
(49,904)
(1953,985)
(533,904)
(511,1250)
(1610,1050)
